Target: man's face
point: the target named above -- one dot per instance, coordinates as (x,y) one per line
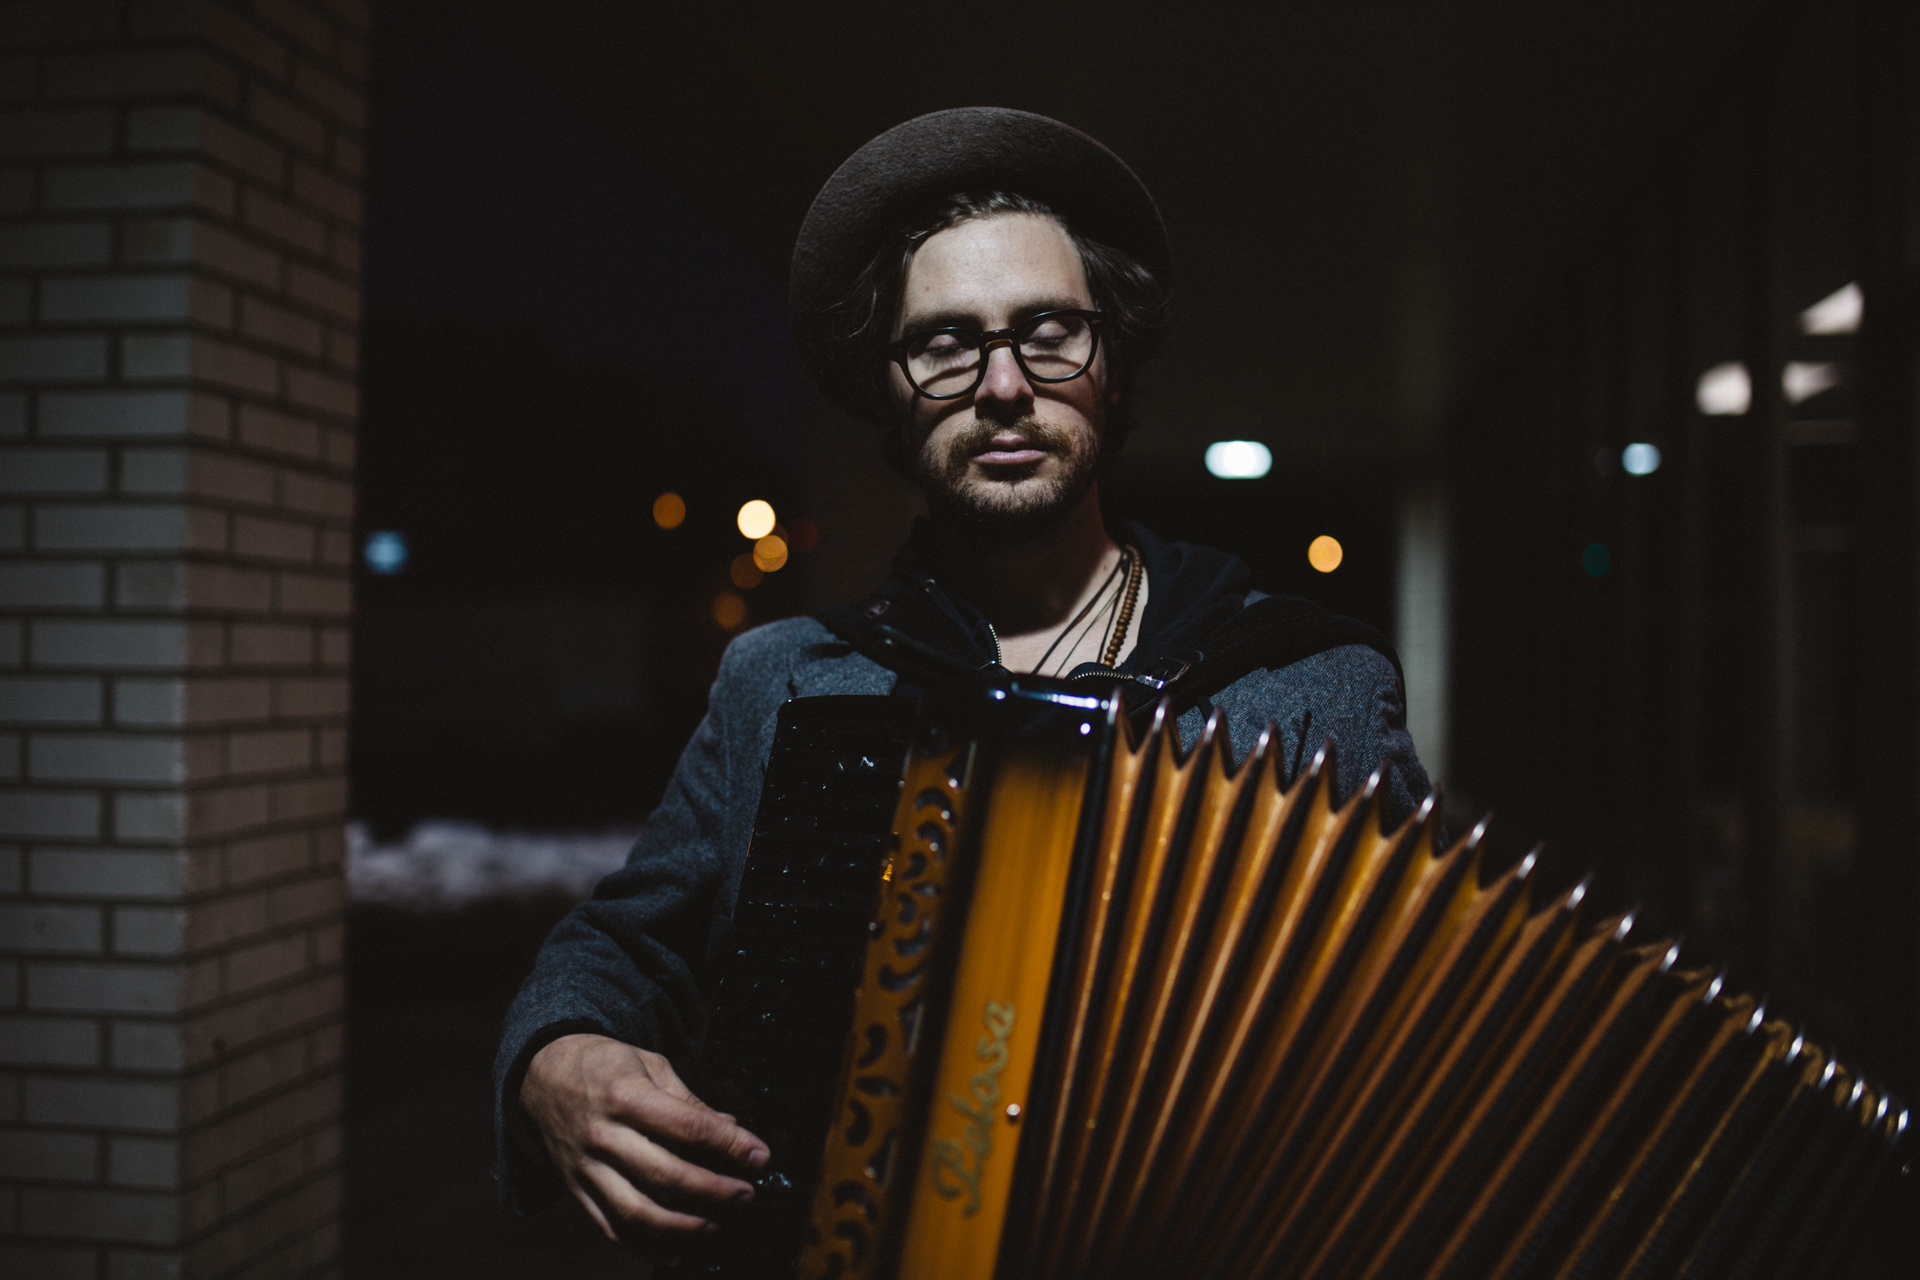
(1015,453)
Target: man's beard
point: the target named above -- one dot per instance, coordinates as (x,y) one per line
(1021,505)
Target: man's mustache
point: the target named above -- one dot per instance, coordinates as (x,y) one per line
(978,437)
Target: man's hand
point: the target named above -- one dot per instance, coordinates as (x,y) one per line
(604,1110)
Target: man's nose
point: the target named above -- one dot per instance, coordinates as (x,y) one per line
(1005,386)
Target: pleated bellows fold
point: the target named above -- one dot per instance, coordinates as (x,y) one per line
(1301,1044)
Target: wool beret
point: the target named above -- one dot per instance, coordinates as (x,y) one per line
(900,174)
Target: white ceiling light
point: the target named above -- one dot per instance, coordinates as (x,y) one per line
(1239,459)
(1803,380)
(1838,312)
(1724,389)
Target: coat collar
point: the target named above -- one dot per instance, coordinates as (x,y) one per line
(1191,590)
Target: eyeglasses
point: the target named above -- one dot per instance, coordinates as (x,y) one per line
(945,364)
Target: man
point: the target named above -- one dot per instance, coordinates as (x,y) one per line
(982,285)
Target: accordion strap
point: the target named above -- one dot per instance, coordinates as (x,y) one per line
(1270,633)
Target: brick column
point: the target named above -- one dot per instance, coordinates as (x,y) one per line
(179,241)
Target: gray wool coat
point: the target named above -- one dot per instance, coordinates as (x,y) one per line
(632,962)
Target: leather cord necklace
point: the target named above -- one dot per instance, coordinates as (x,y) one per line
(1123,597)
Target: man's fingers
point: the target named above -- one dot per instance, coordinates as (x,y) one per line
(661,1173)
(583,1192)
(689,1122)
(676,1181)
(728,1137)
(641,1219)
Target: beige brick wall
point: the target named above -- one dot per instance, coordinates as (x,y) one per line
(179,294)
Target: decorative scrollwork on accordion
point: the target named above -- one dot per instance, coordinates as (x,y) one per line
(888,1015)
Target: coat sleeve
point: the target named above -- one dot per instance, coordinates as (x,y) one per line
(627,962)
(1350,696)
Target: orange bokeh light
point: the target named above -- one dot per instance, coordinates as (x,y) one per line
(1324,553)
(669,509)
(729,610)
(769,553)
(745,573)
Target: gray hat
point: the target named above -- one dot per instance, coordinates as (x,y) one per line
(893,178)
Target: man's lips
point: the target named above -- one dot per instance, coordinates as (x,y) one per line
(1009,453)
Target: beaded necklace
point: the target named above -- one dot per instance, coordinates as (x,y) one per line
(1120,601)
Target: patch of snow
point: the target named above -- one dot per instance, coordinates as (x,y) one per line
(441,866)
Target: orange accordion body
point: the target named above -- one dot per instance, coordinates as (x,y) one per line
(1126,1013)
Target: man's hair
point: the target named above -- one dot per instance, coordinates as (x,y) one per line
(1128,295)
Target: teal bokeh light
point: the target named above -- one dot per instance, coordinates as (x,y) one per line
(386,551)
(1596,559)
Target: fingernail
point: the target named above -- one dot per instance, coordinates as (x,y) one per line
(757,1158)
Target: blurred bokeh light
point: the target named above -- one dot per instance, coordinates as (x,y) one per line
(770,553)
(1239,459)
(756,519)
(745,573)
(729,610)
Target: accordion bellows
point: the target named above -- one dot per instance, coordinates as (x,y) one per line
(1134,1012)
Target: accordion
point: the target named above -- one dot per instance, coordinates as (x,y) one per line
(1118,1008)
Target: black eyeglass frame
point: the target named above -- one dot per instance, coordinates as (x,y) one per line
(985,341)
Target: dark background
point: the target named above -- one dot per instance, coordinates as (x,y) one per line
(1477,247)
